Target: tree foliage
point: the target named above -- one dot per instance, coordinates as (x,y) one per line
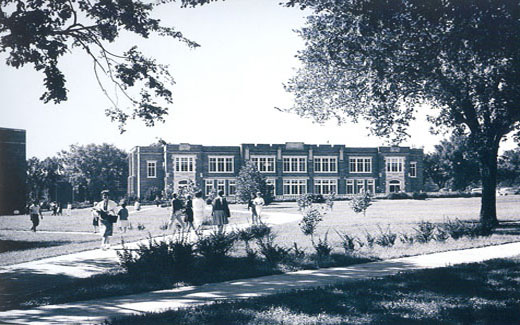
(43,176)
(41,32)
(453,164)
(509,168)
(250,181)
(94,168)
(380,59)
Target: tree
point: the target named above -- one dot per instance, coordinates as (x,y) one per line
(361,202)
(95,168)
(41,32)
(509,168)
(380,59)
(43,176)
(250,181)
(453,164)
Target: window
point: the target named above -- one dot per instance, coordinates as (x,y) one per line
(350,186)
(151,169)
(394,186)
(413,169)
(221,164)
(325,186)
(294,186)
(371,186)
(209,186)
(360,164)
(232,187)
(295,164)
(360,185)
(325,164)
(264,164)
(271,183)
(221,186)
(184,164)
(394,164)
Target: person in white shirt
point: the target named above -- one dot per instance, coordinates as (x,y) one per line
(106,209)
(259,203)
(36,214)
(199,208)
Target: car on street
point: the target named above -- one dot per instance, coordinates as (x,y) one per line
(508,191)
(476,190)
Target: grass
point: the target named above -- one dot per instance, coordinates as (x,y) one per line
(482,293)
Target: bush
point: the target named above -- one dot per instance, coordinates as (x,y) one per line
(441,234)
(361,202)
(272,252)
(297,252)
(306,200)
(141,226)
(147,259)
(347,241)
(456,229)
(322,248)
(370,239)
(386,238)
(406,239)
(216,246)
(398,196)
(311,218)
(425,232)
(419,196)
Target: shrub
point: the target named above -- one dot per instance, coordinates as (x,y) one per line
(322,248)
(398,196)
(347,241)
(406,239)
(360,203)
(370,239)
(272,252)
(216,246)
(148,258)
(260,231)
(386,238)
(456,229)
(304,201)
(311,218)
(425,232)
(297,252)
(441,234)
(419,196)
(140,226)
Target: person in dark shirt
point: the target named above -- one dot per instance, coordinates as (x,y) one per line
(123,217)
(189,213)
(220,212)
(176,215)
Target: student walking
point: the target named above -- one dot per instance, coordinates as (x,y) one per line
(199,207)
(220,211)
(251,206)
(106,210)
(69,209)
(123,217)
(259,203)
(95,218)
(188,219)
(176,214)
(35,214)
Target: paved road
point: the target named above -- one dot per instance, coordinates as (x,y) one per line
(95,311)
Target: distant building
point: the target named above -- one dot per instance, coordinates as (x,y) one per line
(292,168)
(12,171)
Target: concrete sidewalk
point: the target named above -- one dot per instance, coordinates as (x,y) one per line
(95,311)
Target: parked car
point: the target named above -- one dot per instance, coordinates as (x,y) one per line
(508,191)
(476,190)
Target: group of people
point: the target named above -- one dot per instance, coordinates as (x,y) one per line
(190,214)
(256,204)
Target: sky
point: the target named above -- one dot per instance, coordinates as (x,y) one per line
(225,94)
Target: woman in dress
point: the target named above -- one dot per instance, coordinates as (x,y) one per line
(259,203)
(189,213)
(199,206)
(220,211)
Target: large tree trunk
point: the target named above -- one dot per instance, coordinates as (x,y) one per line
(488,210)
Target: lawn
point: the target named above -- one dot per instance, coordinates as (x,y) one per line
(479,293)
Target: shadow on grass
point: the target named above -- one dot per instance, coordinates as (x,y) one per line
(18,245)
(508,228)
(473,293)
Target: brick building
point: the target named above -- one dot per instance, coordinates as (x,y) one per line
(12,171)
(292,168)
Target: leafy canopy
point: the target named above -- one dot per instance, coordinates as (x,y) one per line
(41,32)
(379,59)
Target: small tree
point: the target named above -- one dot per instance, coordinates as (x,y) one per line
(250,181)
(361,202)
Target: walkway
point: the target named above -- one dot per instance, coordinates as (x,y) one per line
(95,311)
